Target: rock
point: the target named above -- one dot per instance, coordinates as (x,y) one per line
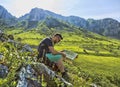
(40,67)
(3,37)
(1,31)
(3,71)
(27,48)
(28,78)
(93,85)
(1,56)
(11,41)
(11,37)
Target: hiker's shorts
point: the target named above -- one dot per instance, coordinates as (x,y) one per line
(53,58)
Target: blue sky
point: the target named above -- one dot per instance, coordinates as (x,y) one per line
(97,9)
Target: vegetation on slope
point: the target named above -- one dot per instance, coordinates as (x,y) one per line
(98,60)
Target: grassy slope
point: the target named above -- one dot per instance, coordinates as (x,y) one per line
(102,67)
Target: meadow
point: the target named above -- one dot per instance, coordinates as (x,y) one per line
(98,59)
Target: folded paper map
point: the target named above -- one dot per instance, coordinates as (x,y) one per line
(70,54)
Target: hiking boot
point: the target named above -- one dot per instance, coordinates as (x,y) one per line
(65,76)
(66,70)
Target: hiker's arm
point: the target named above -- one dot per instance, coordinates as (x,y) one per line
(53,51)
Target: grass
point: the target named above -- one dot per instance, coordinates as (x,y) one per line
(99,64)
(103,68)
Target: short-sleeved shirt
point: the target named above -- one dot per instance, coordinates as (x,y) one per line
(43,47)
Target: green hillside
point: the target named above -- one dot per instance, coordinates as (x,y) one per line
(98,61)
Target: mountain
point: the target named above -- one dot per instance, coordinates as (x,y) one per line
(53,23)
(6,19)
(37,14)
(107,27)
(4,14)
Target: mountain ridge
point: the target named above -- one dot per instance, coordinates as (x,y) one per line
(106,27)
(6,18)
(5,14)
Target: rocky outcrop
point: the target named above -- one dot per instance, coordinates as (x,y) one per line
(1,56)
(37,14)
(26,48)
(3,37)
(3,71)
(28,76)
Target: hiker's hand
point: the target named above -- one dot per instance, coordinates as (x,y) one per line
(64,55)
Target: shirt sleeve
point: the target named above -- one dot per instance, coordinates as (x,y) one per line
(48,42)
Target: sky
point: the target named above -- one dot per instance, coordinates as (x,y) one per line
(96,9)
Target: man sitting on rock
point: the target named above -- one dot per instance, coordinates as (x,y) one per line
(46,49)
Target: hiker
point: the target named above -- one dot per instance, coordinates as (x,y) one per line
(46,49)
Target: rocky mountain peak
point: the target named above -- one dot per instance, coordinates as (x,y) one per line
(4,14)
(37,14)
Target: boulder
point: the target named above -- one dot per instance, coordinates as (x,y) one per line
(27,48)
(1,56)
(28,78)
(3,71)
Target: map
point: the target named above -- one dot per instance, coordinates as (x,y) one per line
(70,54)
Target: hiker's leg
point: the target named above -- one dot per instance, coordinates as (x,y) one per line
(58,59)
(62,69)
(59,62)
(60,65)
